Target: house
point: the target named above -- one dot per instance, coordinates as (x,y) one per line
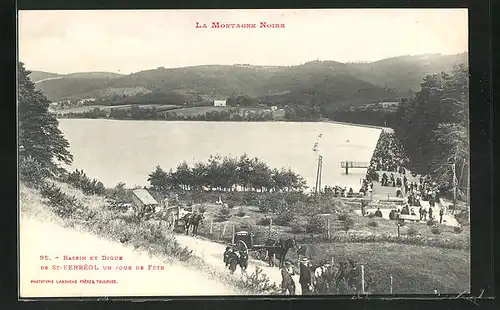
(219,103)
(143,200)
(86,100)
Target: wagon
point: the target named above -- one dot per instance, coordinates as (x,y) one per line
(243,240)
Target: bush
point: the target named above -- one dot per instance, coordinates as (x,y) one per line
(343,216)
(457,229)
(412,232)
(436,230)
(298,226)
(31,172)
(202,209)
(284,218)
(88,186)
(315,224)
(223,214)
(431,222)
(372,224)
(62,204)
(371,215)
(240,213)
(259,283)
(263,221)
(347,224)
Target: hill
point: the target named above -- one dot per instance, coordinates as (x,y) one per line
(42,75)
(405,73)
(329,83)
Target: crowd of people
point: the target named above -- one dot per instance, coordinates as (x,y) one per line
(338,191)
(389,155)
(322,279)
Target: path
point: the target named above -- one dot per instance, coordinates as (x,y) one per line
(37,238)
(212,252)
(48,79)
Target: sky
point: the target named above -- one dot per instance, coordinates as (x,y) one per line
(131,41)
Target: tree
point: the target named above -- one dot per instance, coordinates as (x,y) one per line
(159,180)
(433,124)
(39,135)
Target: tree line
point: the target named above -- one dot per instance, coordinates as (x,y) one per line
(433,126)
(138,113)
(227,174)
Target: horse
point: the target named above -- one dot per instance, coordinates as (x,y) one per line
(195,221)
(279,249)
(187,222)
(241,259)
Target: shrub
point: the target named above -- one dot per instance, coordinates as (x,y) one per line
(343,216)
(431,222)
(31,172)
(240,213)
(202,209)
(457,229)
(263,221)
(436,230)
(347,224)
(259,283)
(315,224)
(189,203)
(298,226)
(284,218)
(372,224)
(223,214)
(371,215)
(412,232)
(88,186)
(62,204)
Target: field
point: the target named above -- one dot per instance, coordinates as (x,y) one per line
(196,111)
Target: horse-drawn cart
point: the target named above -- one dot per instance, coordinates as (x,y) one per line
(243,240)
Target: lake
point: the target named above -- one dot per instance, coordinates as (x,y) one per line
(115,151)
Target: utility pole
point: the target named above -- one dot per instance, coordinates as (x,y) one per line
(454,183)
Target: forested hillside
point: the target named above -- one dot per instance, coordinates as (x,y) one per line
(326,84)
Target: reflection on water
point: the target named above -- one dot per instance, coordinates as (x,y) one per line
(127,151)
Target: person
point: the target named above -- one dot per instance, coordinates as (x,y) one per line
(363,206)
(421,212)
(378,213)
(350,193)
(430,213)
(392,215)
(228,253)
(305,277)
(412,212)
(441,213)
(424,213)
(287,283)
(399,193)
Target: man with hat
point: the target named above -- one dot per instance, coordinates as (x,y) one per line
(305,278)
(287,283)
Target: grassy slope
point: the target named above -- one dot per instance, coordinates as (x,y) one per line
(108,225)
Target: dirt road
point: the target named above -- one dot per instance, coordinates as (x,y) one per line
(212,252)
(38,240)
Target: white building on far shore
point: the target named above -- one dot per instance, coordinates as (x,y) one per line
(219,103)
